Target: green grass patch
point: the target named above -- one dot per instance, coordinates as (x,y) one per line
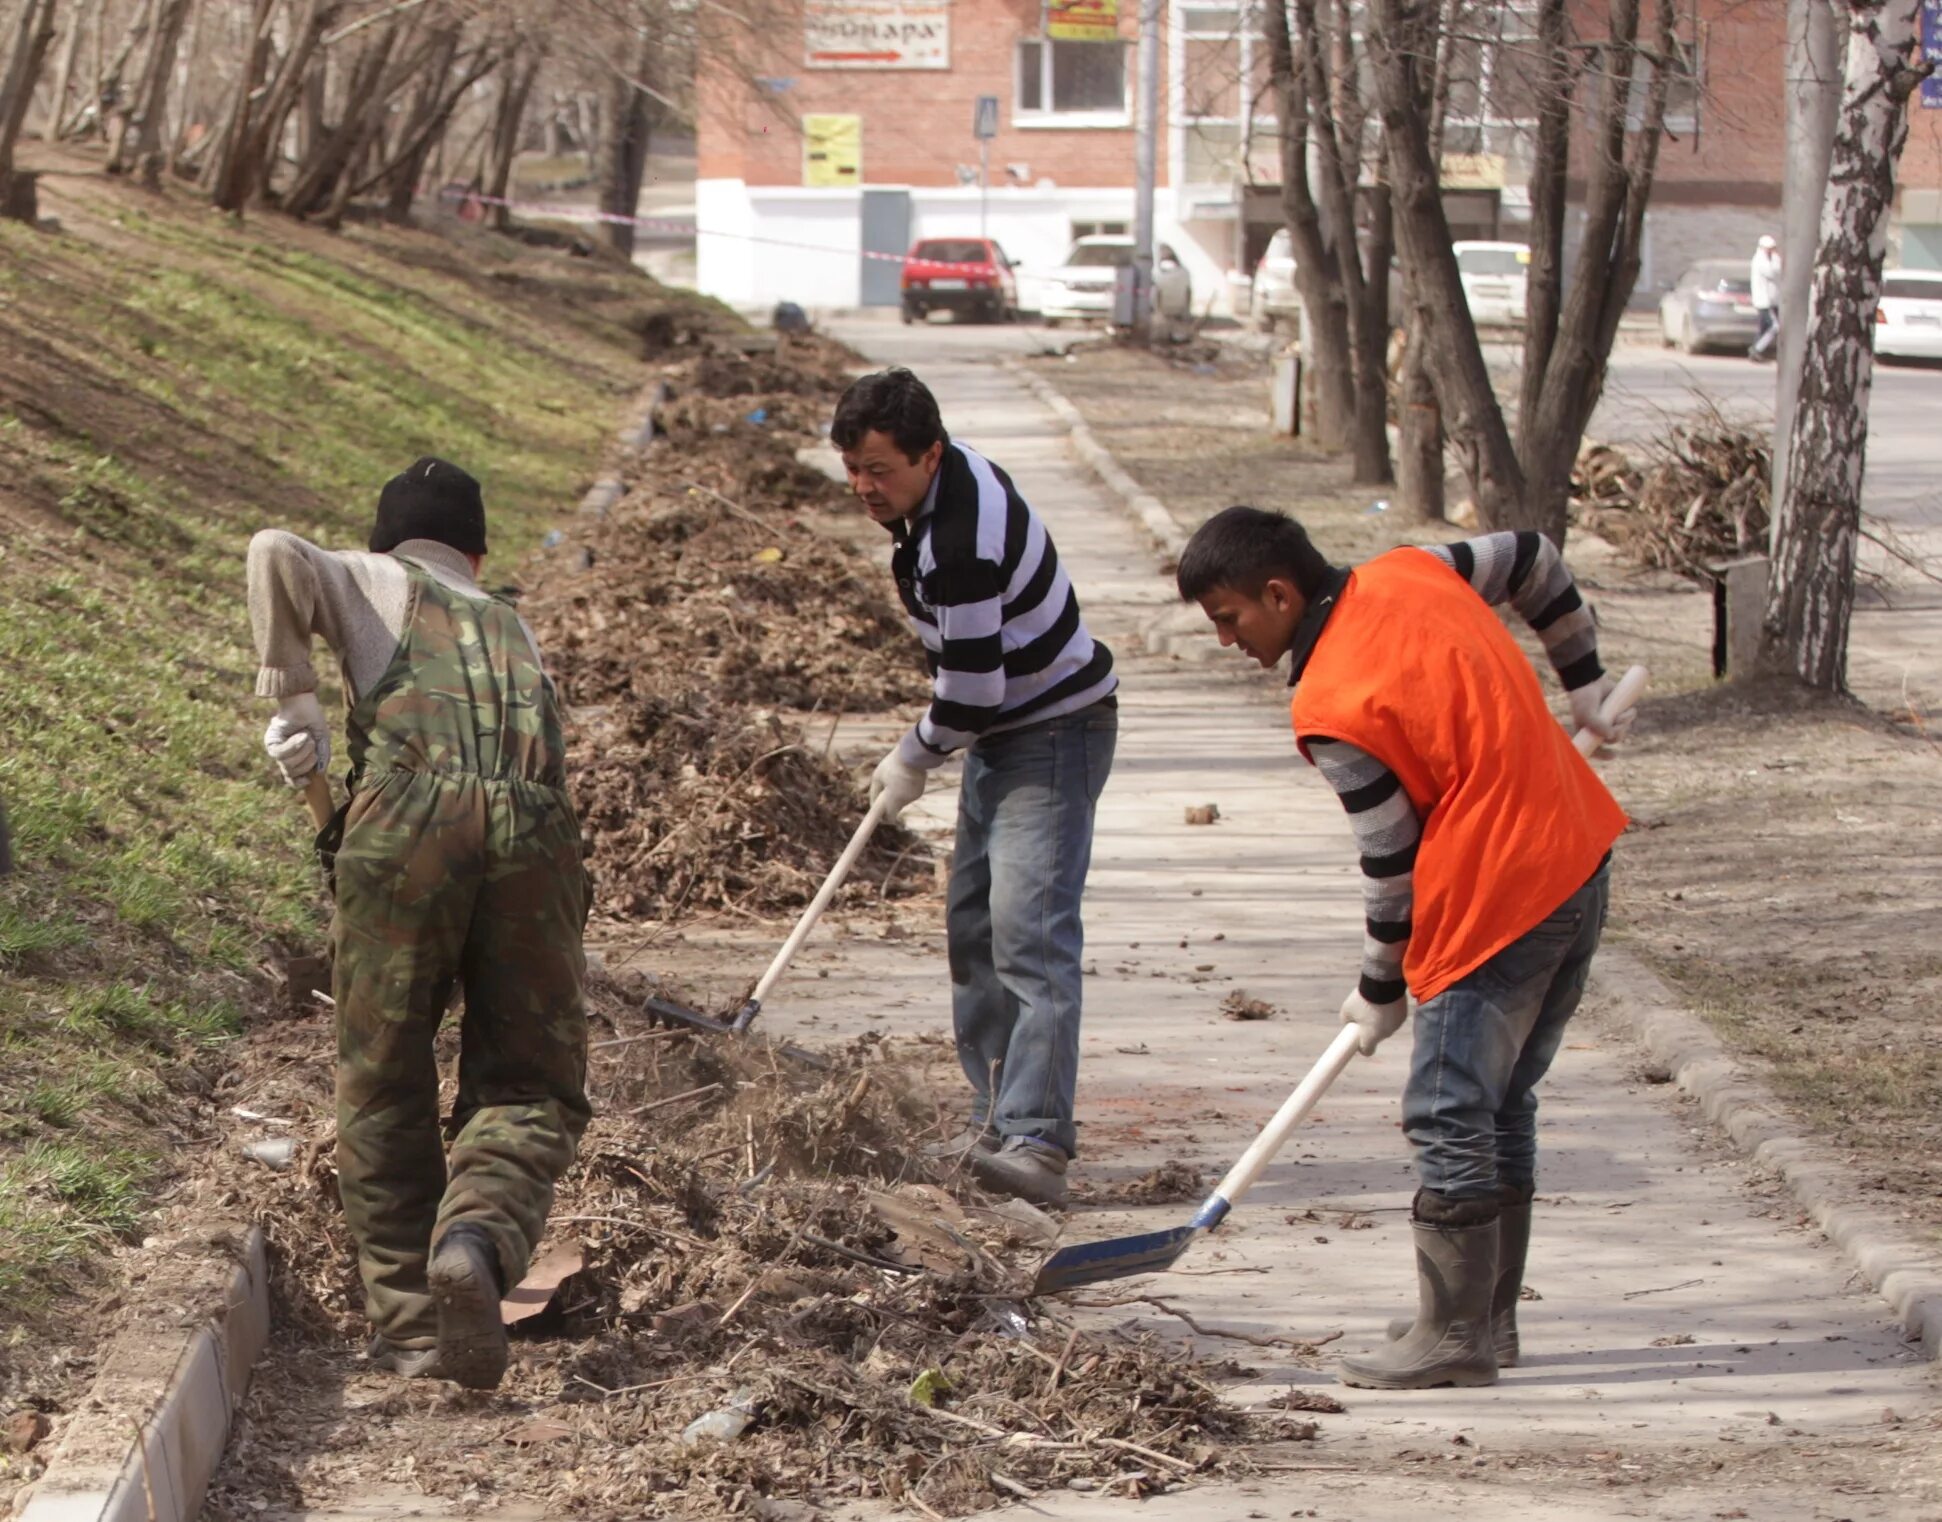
(176,381)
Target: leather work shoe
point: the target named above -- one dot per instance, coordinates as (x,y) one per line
(1024,1168)
(412,1363)
(956,1148)
(464,1277)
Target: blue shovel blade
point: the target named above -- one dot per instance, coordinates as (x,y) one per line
(1121,1258)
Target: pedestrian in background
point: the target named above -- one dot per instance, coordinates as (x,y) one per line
(1765,277)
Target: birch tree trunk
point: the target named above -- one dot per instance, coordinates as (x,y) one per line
(1810,595)
(77,23)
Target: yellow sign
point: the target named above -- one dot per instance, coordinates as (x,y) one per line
(1473,171)
(832,150)
(1082,20)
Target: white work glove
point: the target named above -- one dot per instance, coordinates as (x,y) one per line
(1586,702)
(298,738)
(898,783)
(1376,1022)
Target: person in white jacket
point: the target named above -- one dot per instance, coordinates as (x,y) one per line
(1765,275)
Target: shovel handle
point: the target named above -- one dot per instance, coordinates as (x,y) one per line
(1294,1109)
(316,793)
(820,902)
(1623,696)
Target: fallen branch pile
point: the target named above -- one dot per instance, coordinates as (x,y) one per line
(1700,496)
(751,1237)
(693,630)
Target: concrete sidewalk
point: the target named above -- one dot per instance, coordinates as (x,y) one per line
(1690,1335)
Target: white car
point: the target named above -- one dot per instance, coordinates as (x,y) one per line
(1274,299)
(1082,287)
(1496,281)
(1908,322)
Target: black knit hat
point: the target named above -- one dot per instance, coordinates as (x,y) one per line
(433,500)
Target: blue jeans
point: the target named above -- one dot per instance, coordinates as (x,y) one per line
(1024,843)
(1470,1106)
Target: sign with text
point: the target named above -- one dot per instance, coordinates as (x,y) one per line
(1082,20)
(877,34)
(832,151)
(1932,52)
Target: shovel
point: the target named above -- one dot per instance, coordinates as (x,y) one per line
(1154,1252)
(667,1010)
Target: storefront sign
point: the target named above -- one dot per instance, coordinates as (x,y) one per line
(1082,20)
(877,34)
(1931,19)
(1473,171)
(832,150)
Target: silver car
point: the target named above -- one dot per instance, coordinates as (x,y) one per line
(1710,307)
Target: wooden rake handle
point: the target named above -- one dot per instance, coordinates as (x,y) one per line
(1624,695)
(316,794)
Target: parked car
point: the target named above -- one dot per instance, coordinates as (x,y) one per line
(1274,298)
(1496,281)
(1710,306)
(1908,322)
(1082,287)
(968,277)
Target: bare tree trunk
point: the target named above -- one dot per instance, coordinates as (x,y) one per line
(1325,329)
(373,81)
(1544,286)
(407,165)
(231,176)
(189,99)
(1419,418)
(265,141)
(1810,595)
(112,91)
(153,104)
(1327,58)
(1440,315)
(623,158)
(516,90)
(78,20)
(33,36)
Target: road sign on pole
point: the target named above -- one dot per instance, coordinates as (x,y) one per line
(984,122)
(984,127)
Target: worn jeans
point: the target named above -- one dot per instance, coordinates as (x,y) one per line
(1024,843)
(1470,1106)
(1769,333)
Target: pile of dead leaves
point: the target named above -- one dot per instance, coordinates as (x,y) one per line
(1697,498)
(698,627)
(754,1238)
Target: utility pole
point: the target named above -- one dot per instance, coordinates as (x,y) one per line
(1813,104)
(1145,167)
(984,126)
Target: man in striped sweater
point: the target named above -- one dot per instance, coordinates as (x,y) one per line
(1025,695)
(1484,838)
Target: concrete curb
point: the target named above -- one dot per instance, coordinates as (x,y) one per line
(1152,513)
(1907,1274)
(130,1454)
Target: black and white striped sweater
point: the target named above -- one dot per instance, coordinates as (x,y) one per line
(983,588)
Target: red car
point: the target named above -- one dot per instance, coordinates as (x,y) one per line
(970,277)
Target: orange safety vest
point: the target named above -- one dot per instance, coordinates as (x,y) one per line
(1416,669)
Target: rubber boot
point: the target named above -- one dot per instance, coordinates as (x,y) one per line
(1449,1343)
(1513,1246)
(464,1275)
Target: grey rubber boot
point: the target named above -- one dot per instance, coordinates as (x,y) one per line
(1513,1246)
(1449,1343)
(412,1363)
(464,1275)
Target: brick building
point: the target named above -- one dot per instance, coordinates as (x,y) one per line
(850,132)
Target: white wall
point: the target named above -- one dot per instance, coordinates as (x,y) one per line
(755,247)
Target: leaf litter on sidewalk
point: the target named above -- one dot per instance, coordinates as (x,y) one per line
(758,1237)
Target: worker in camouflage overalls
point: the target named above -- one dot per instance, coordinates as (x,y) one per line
(457,860)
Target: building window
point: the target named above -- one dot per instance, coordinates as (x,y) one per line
(1071,79)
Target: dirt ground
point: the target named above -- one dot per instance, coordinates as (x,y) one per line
(1784,864)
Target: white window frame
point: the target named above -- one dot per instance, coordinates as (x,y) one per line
(1249,29)
(1046,117)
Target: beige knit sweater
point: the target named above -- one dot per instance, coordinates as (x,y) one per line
(355,602)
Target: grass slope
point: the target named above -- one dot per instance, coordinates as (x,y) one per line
(172,382)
